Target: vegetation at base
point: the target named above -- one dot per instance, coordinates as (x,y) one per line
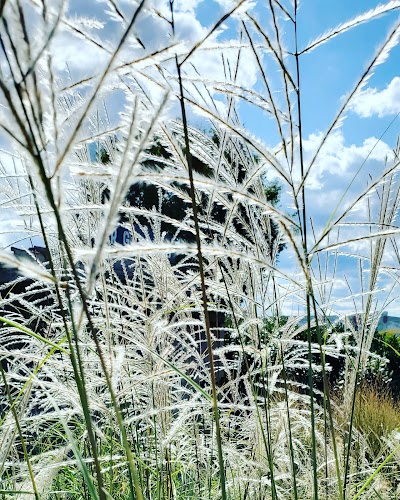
(377,415)
(388,347)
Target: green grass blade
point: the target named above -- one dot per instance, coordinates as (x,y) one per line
(31,333)
(375,473)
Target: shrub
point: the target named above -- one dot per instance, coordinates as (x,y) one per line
(388,346)
(377,415)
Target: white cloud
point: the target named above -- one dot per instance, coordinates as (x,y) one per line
(205,65)
(155,32)
(330,190)
(382,103)
(163,7)
(76,53)
(230,4)
(339,160)
(186,5)
(13,188)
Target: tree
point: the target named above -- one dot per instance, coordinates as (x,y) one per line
(174,198)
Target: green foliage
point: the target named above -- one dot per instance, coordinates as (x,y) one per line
(388,346)
(377,415)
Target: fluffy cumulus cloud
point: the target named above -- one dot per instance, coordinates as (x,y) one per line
(186,5)
(13,199)
(231,4)
(77,54)
(330,193)
(338,160)
(336,180)
(152,32)
(342,173)
(372,102)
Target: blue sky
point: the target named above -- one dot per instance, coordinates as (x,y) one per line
(328,73)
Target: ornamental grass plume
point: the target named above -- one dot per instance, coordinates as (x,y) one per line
(184,361)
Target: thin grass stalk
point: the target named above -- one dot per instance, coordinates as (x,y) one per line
(80,380)
(98,86)
(49,193)
(376,256)
(393,36)
(76,362)
(40,53)
(18,87)
(225,134)
(379,10)
(291,448)
(287,78)
(195,431)
(292,462)
(267,402)
(77,365)
(309,290)
(87,478)
(2,5)
(311,391)
(203,283)
(226,16)
(267,409)
(20,434)
(376,472)
(38,116)
(266,439)
(29,138)
(85,310)
(284,10)
(269,91)
(327,400)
